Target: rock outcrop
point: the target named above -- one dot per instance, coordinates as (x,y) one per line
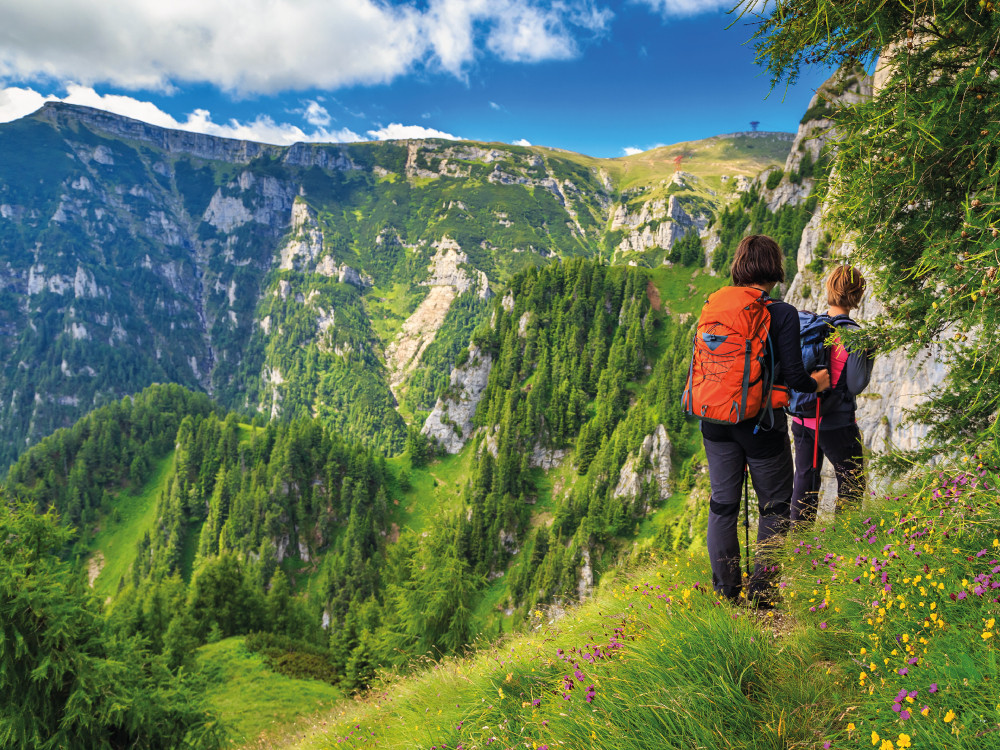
(450,422)
(815,132)
(650,464)
(658,224)
(450,276)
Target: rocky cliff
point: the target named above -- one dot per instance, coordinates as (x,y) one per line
(450,423)
(316,279)
(899,381)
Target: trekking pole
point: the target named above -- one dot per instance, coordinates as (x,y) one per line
(814,479)
(746,511)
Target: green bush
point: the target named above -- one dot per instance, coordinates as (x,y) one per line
(294,658)
(773,178)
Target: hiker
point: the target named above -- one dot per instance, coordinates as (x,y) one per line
(838,437)
(746,355)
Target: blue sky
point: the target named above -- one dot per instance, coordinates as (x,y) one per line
(590,76)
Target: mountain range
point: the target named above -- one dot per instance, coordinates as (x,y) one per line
(335,281)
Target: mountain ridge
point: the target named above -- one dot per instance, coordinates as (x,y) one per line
(112,122)
(295,280)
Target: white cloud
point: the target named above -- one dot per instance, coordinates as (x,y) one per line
(316,114)
(398,131)
(521,142)
(18,102)
(494,105)
(275,45)
(631,150)
(686,7)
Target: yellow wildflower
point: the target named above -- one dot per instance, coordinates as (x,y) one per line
(949,717)
(875,738)
(903,741)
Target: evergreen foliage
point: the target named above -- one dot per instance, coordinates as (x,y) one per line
(750,215)
(73,470)
(688,251)
(68,680)
(917,180)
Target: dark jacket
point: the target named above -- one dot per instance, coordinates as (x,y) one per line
(855,377)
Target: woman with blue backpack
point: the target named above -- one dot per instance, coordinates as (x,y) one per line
(747,354)
(825,426)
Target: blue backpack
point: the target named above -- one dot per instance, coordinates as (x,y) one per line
(814,330)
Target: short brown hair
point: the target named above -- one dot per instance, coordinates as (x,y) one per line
(845,286)
(758,260)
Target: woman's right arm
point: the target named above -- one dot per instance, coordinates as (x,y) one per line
(789,351)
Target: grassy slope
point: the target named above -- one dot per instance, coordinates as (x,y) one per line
(136,512)
(708,159)
(889,604)
(251,698)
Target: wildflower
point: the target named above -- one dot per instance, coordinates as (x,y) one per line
(903,741)
(850,727)
(933,688)
(949,717)
(925,710)
(875,738)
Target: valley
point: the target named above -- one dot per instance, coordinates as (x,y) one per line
(331,428)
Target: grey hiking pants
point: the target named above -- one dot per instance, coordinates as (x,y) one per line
(769,455)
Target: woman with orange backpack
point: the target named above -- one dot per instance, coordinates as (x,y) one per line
(746,355)
(827,427)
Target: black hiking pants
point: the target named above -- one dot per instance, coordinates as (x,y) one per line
(842,445)
(769,455)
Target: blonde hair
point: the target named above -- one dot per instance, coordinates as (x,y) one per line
(845,286)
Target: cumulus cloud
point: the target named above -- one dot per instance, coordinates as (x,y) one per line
(18,102)
(521,142)
(398,131)
(266,46)
(686,7)
(316,114)
(631,150)
(682,8)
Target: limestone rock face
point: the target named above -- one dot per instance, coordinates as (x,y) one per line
(651,463)
(658,223)
(899,382)
(226,213)
(449,277)
(305,243)
(813,135)
(547,458)
(456,410)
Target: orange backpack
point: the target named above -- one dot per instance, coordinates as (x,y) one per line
(731,377)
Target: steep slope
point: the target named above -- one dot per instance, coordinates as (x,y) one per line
(884,637)
(336,281)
